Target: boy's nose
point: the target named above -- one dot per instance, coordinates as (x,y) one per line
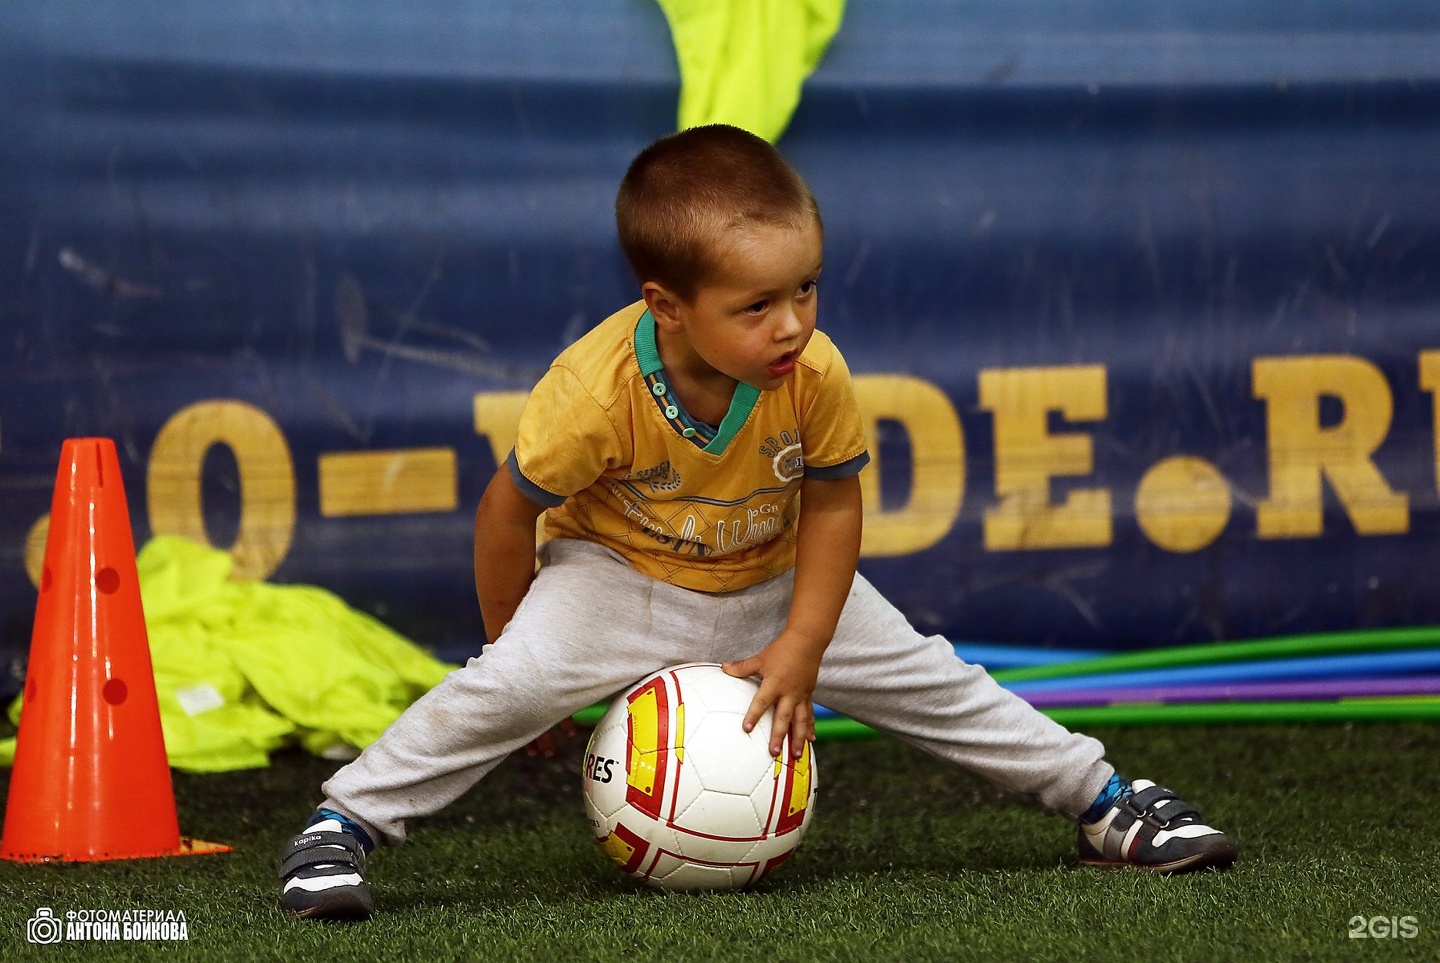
(787,324)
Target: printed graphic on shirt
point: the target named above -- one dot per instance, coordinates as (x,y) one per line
(701,526)
(661,478)
(788,462)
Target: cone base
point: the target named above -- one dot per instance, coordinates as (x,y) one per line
(187,847)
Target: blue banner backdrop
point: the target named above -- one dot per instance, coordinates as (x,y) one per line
(1142,296)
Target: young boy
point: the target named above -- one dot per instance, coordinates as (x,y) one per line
(696,455)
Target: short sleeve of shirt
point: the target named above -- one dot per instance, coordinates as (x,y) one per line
(565,442)
(835,444)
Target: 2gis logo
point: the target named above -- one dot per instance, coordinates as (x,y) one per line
(44,927)
(1383,927)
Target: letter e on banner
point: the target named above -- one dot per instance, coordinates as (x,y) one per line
(1028,456)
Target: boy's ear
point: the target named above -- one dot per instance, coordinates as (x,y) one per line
(664,306)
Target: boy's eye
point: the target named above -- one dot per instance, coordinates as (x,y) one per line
(757,308)
(808,287)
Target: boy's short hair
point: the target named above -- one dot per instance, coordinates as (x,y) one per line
(684,191)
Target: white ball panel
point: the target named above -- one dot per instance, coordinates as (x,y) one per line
(727,758)
(716,814)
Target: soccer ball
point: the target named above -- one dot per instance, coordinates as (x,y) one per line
(681,797)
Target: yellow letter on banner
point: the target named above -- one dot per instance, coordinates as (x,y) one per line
(1302,450)
(937,448)
(267,481)
(497,417)
(1430,381)
(1027,456)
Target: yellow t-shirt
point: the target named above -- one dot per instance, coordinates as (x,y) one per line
(615,458)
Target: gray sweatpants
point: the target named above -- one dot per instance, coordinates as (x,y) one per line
(591,626)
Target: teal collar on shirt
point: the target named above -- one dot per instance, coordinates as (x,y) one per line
(712,441)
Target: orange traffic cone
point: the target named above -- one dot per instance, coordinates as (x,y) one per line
(91,780)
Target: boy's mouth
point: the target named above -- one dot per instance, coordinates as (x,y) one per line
(782,366)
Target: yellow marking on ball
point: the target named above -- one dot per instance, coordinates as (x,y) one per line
(800,788)
(617,849)
(644,741)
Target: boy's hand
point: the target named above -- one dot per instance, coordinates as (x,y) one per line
(787,669)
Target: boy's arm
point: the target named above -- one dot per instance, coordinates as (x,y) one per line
(504,551)
(505,567)
(826,553)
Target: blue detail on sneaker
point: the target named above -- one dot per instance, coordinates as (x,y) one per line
(1115,790)
(346,824)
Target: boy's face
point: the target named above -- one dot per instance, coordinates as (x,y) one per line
(756,312)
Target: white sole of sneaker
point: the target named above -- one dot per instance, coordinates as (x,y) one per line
(1221,857)
(337,904)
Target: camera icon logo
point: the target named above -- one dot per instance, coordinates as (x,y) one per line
(44,927)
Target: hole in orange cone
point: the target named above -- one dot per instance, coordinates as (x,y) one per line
(107,580)
(115,691)
(45,579)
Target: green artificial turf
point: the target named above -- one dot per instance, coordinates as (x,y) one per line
(906,860)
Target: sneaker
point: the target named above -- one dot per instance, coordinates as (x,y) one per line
(321,870)
(1155,829)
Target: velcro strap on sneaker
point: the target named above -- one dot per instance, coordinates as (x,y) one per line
(309,849)
(1146,805)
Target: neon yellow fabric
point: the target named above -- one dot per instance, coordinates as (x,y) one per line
(244,668)
(742,61)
